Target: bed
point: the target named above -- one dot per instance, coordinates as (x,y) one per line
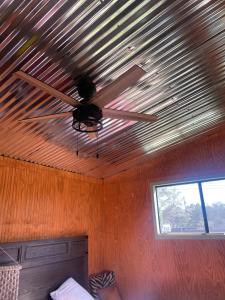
(46,264)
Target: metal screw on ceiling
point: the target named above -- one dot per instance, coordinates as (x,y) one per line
(145,62)
(174,98)
(130,48)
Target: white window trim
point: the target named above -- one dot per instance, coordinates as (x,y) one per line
(189,235)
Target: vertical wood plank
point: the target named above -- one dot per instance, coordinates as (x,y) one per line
(38,202)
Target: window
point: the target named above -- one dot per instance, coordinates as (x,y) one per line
(190,209)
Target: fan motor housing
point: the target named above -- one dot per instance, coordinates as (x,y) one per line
(89,115)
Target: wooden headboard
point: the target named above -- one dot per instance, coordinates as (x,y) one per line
(48,263)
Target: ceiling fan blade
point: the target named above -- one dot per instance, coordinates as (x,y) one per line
(128,115)
(47,117)
(46,88)
(114,89)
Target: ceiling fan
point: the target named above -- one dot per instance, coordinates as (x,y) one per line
(89,112)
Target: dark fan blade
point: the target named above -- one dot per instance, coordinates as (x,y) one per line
(113,90)
(127,115)
(46,88)
(47,117)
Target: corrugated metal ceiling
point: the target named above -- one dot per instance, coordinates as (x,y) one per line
(181,45)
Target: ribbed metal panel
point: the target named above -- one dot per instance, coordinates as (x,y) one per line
(181,45)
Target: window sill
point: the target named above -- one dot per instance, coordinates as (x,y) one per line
(191,236)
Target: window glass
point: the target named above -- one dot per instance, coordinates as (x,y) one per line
(179,209)
(214,198)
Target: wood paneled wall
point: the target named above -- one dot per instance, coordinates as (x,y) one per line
(38,202)
(151,269)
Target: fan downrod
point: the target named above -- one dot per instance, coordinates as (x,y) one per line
(86,88)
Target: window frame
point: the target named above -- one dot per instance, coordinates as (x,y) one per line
(182,235)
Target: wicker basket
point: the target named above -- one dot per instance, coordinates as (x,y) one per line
(9,282)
